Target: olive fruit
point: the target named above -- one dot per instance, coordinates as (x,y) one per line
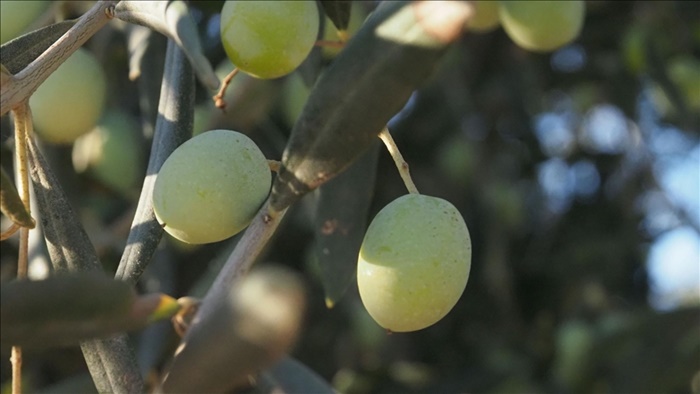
(70,102)
(295,93)
(414,262)
(210,187)
(269,39)
(542,26)
(17,16)
(111,152)
(486,16)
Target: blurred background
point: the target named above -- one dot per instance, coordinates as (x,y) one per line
(577,173)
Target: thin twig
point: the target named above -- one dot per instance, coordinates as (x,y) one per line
(29,79)
(275,165)
(401,164)
(330,44)
(23,129)
(219,97)
(237,265)
(10,231)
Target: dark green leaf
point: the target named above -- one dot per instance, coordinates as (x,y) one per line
(251,328)
(69,247)
(18,53)
(369,82)
(341,221)
(291,377)
(338,11)
(11,204)
(110,361)
(64,309)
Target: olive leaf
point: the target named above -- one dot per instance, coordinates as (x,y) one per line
(65,309)
(174,20)
(341,220)
(394,52)
(110,361)
(338,11)
(16,54)
(252,327)
(69,247)
(176,102)
(11,204)
(291,376)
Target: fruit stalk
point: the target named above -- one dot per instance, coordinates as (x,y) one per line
(401,164)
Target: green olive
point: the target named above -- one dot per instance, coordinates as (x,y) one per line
(414,262)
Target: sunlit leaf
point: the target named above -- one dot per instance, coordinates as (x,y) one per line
(173,19)
(176,102)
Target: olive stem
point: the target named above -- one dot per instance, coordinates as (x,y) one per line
(330,44)
(23,131)
(219,97)
(275,165)
(28,80)
(401,164)
(236,267)
(10,231)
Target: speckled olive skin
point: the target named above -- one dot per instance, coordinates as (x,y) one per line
(414,262)
(542,26)
(210,188)
(269,39)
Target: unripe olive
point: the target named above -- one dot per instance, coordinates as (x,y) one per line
(111,152)
(210,187)
(295,93)
(269,39)
(414,262)
(542,25)
(69,103)
(17,16)
(486,16)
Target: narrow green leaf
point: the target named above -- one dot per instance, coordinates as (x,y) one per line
(341,221)
(19,52)
(174,20)
(253,326)
(176,102)
(338,11)
(69,247)
(394,52)
(110,361)
(292,377)
(64,309)
(11,204)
